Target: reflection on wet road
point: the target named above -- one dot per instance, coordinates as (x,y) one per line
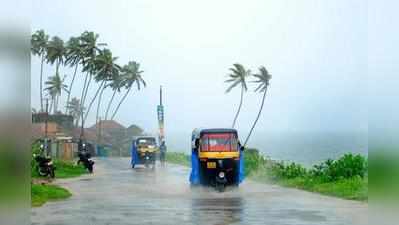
(117,194)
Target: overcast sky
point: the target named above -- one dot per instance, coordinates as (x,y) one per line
(316,52)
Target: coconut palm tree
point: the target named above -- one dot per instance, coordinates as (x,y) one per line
(56,53)
(39,42)
(75,109)
(55,86)
(237,77)
(263,79)
(90,49)
(106,70)
(116,86)
(73,57)
(131,74)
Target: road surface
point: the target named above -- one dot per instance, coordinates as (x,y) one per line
(117,194)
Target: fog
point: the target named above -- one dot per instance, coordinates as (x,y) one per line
(316,52)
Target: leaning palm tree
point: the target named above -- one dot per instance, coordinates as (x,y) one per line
(56,53)
(237,77)
(75,109)
(131,74)
(90,49)
(73,57)
(263,80)
(116,85)
(55,86)
(106,70)
(52,95)
(38,47)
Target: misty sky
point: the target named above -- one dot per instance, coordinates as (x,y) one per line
(315,50)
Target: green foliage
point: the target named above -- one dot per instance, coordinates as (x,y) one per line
(67,169)
(64,169)
(40,194)
(345,177)
(178,158)
(348,166)
(385,175)
(252,161)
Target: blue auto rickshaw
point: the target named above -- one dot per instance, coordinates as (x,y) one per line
(144,151)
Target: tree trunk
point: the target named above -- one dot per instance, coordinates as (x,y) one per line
(41,84)
(83,93)
(99,103)
(70,89)
(51,104)
(87,89)
(77,121)
(109,104)
(239,108)
(93,99)
(120,103)
(256,120)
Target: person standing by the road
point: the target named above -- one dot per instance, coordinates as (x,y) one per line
(162,149)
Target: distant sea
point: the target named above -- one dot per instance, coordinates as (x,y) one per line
(306,148)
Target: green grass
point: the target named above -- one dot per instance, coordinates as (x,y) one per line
(355,188)
(64,169)
(41,193)
(178,158)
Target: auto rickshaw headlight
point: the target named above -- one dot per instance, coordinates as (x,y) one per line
(221,174)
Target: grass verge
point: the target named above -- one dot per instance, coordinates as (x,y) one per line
(41,193)
(178,158)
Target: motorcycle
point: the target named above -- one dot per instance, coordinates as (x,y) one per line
(84,157)
(45,166)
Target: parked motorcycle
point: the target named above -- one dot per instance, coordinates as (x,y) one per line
(45,166)
(84,157)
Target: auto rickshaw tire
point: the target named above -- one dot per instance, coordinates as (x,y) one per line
(220,187)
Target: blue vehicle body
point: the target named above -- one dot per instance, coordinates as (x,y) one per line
(137,150)
(135,156)
(195,177)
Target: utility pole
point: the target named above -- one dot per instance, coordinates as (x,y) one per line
(160,110)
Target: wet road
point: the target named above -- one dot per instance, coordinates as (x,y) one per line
(117,194)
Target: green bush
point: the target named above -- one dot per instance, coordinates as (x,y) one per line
(252,161)
(348,166)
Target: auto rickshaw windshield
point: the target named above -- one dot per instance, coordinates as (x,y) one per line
(219,142)
(146,141)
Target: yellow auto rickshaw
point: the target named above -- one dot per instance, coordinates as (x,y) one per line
(144,151)
(216,158)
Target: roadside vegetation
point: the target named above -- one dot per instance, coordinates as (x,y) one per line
(41,193)
(346,177)
(178,158)
(41,188)
(385,172)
